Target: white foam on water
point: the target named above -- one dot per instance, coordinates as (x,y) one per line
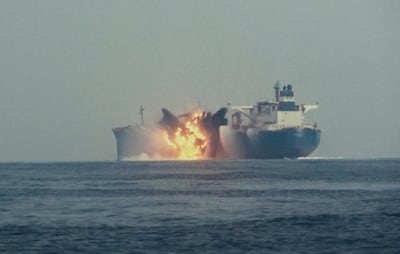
(321,158)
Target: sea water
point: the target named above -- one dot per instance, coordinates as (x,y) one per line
(248,206)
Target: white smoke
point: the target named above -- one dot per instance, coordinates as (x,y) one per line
(146,157)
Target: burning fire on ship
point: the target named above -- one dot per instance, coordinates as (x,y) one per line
(188,141)
(196,136)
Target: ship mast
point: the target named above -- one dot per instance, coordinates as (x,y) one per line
(141,110)
(276,87)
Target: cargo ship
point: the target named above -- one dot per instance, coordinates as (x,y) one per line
(271,129)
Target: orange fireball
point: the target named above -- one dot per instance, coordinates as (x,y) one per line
(188,141)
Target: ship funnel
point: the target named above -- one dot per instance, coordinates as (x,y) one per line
(277,87)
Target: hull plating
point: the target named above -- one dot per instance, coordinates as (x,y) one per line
(250,143)
(267,144)
(134,141)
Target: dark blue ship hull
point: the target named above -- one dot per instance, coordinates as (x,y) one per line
(270,144)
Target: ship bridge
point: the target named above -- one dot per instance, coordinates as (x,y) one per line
(286,99)
(281,112)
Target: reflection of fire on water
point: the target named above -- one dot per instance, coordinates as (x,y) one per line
(188,141)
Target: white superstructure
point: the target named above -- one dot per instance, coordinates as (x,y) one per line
(282,112)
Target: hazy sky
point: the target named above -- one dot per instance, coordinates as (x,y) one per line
(72,70)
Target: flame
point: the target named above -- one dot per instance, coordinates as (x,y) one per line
(188,141)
